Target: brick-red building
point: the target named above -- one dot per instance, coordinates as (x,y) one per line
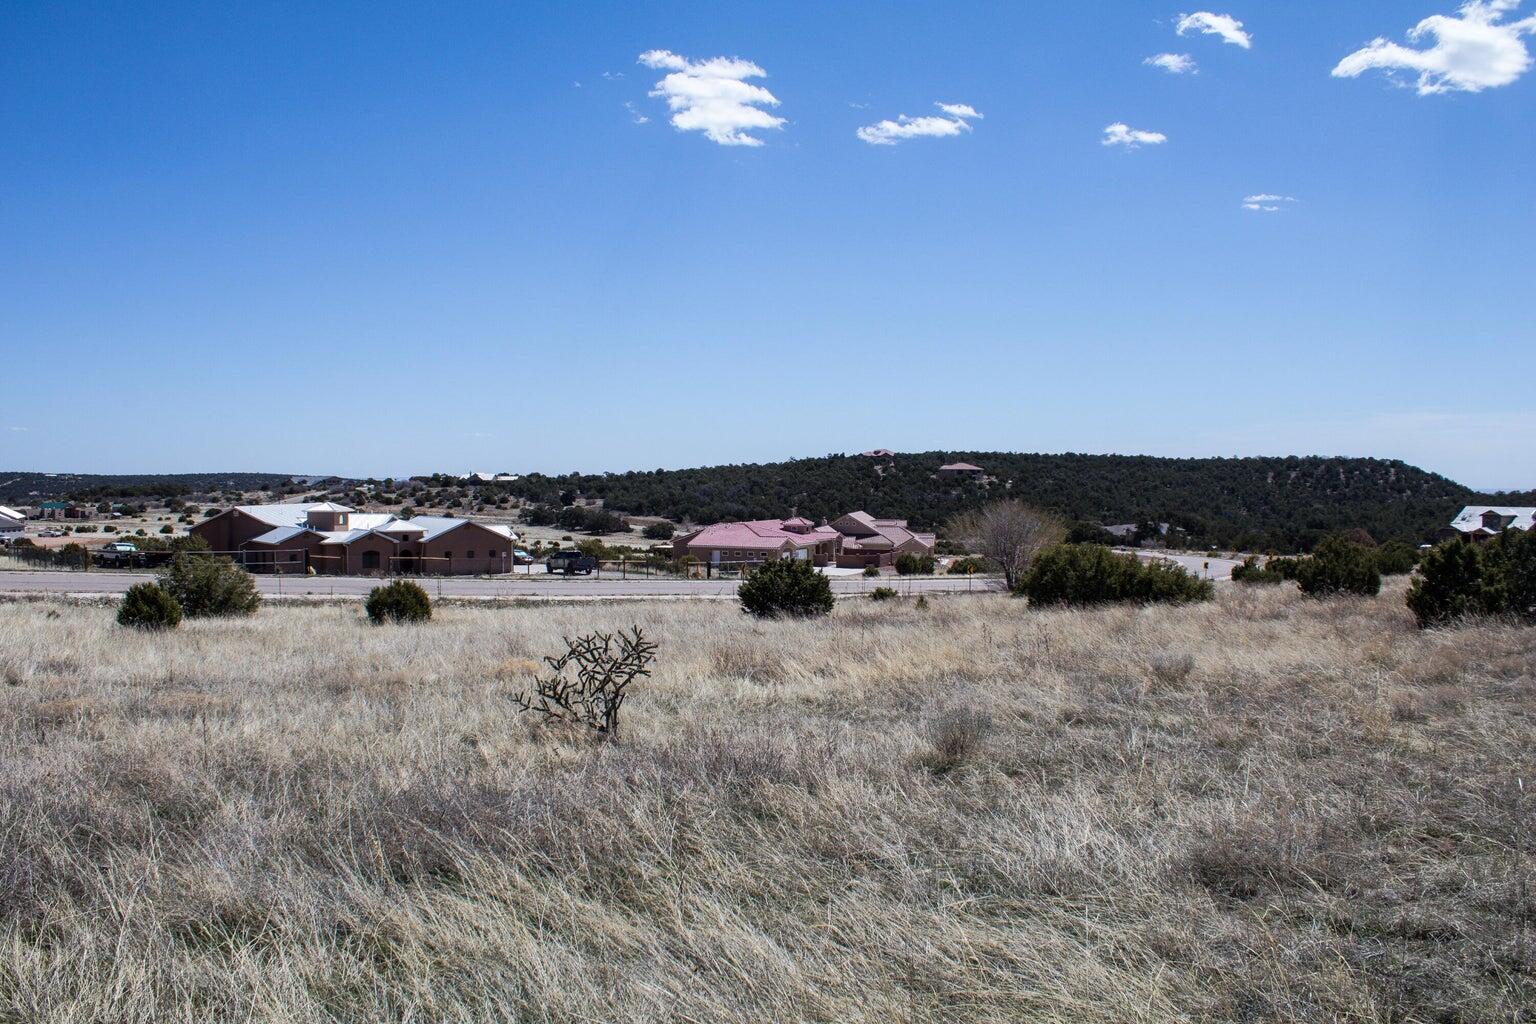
(336,540)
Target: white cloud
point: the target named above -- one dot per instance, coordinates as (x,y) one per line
(1173,63)
(1266,202)
(959,110)
(18,430)
(1473,52)
(888,133)
(1224,25)
(712,96)
(1122,134)
(634,113)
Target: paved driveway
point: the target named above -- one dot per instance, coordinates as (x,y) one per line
(1199,565)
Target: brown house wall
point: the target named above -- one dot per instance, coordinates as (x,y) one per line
(493,552)
(351,559)
(293,556)
(228,530)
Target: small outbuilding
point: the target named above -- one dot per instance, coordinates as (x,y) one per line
(961,471)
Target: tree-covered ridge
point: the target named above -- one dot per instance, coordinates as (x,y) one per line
(1285,503)
(25,487)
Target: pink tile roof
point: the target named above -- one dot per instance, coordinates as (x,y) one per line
(759,535)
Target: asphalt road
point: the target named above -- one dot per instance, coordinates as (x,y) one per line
(586,587)
(540,585)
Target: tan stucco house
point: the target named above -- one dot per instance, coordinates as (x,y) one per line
(851,541)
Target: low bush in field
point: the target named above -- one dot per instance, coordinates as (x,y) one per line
(786,588)
(967,566)
(399,601)
(659,531)
(1458,579)
(871,570)
(1284,566)
(1252,572)
(148,606)
(206,586)
(1339,565)
(882,594)
(1396,558)
(1088,574)
(914,565)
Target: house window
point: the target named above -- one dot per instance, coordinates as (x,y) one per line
(469,554)
(447,554)
(293,556)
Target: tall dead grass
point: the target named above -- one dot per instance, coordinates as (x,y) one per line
(1263,808)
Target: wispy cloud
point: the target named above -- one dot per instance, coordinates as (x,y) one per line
(955,122)
(1475,49)
(634,113)
(1122,134)
(1173,63)
(714,97)
(1224,25)
(18,430)
(1266,202)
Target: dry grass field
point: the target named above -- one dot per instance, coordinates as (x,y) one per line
(1260,809)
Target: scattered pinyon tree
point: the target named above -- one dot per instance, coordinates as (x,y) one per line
(1339,565)
(1252,572)
(399,601)
(1459,578)
(148,606)
(210,585)
(786,588)
(1089,574)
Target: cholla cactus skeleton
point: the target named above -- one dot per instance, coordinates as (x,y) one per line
(605,665)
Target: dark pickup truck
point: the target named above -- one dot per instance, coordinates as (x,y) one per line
(570,562)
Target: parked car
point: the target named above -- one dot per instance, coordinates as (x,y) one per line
(570,562)
(521,557)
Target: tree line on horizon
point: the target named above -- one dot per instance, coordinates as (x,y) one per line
(1248,503)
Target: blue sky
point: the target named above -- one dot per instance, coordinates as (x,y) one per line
(379,239)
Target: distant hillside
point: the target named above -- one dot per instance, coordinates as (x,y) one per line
(1248,503)
(30,488)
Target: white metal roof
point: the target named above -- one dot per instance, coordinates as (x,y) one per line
(351,536)
(1470,519)
(278,535)
(288,521)
(6,512)
(289,515)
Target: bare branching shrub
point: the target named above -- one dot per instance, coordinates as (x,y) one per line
(954,737)
(604,665)
(1008,534)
